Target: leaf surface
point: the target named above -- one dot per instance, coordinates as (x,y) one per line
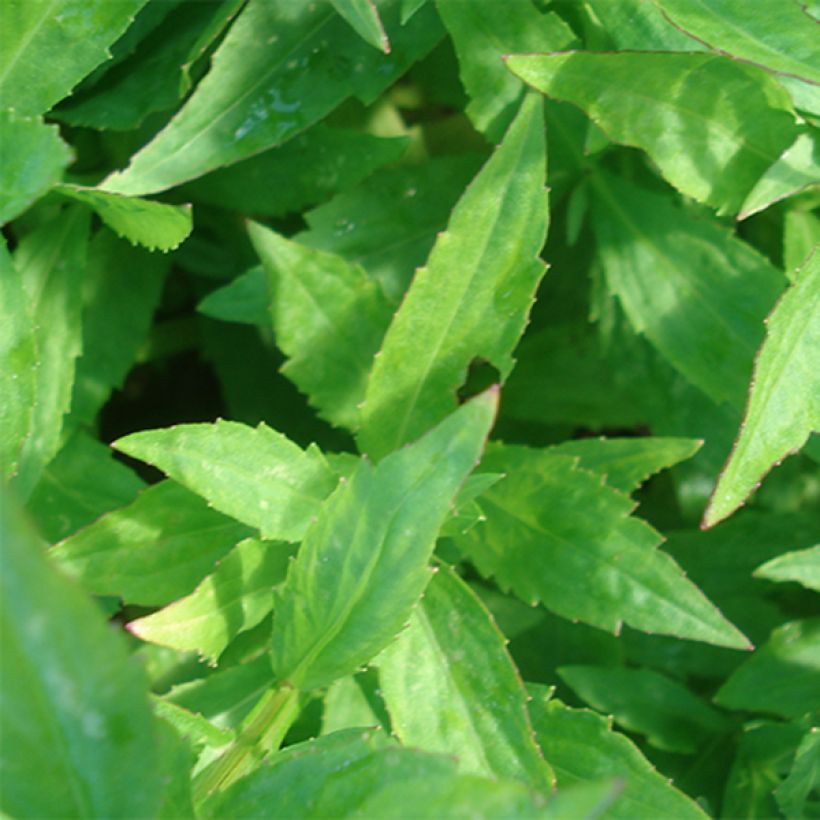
(364,17)
(472,298)
(364,563)
(255,475)
(451,687)
(79,739)
(329,318)
(154,550)
(801,566)
(784,401)
(794,793)
(554,529)
(682,109)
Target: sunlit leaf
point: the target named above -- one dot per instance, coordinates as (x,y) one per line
(801,566)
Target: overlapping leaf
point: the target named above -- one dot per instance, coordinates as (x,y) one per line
(801,566)
(364,17)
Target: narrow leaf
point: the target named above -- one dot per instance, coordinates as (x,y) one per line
(450,687)
(363,564)
(784,401)
(473,297)
(794,793)
(256,475)
(801,566)
(79,739)
(681,109)
(364,17)
(329,318)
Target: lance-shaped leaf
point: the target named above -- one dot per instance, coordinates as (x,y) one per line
(473,297)
(78,735)
(582,747)
(329,318)
(47,47)
(52,260)
(34,157)
(236,597)
(801,566)
(482,34)
(779,36)
(364,17)
(451,687)
(794,794)
(784,401)
(697,292)
(154,550)
(553,529)
(364,563)
(782,677)
(256,475)
(682,109)
(155,225)
(282,66)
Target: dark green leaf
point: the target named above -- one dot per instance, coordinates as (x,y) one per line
(364,17)
(804,778)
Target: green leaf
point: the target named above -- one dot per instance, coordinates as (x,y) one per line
(682,109)
(236,597)
(363,564)
(33,160)
(245,300)
(582,747)
(18,363)
(801,234)
(254,98)
(473,297)
(793,793)
(256,475)
(197,730)
(450,687)
(79,739)
(305,170)
(553,528)
(782,677)
(154,550)
(349,702)
(784,400)
(643,701)
(48,46)
(779,36)
(482,34)
(175,764)
(635,25)
(699,294)
(52,263)
(802,566)
(627,462)
(364,17)
(155,225)
(583,800)
(329,319)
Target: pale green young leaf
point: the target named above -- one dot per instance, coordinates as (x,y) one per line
(155,225)
(33,160)
(48,46)
(557,534)
(451,687)
(18,364)
(255,475)
(627,462)
(782,677)
(79,739)
(784,400)
(800,566)
(643,701)
(197,730)
(52,263)
(582,747)
(234,598)
(794,793)
(329,318)
(682,109)
(364,17)
(272,76)
(482,34)
(364,564)
(780,36)
(154,550)
(473,297)
(698,293)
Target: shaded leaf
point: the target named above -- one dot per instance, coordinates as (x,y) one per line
(245,300)
(794,792)
(784,401)
(472,298)
(802,566)
(347,704)
(364,563)
(364,17)
(256,475)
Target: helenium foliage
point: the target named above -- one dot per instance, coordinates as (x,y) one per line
(393,402)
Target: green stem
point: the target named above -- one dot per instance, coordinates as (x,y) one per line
(262,732)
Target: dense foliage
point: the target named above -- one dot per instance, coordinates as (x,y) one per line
(439,344)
